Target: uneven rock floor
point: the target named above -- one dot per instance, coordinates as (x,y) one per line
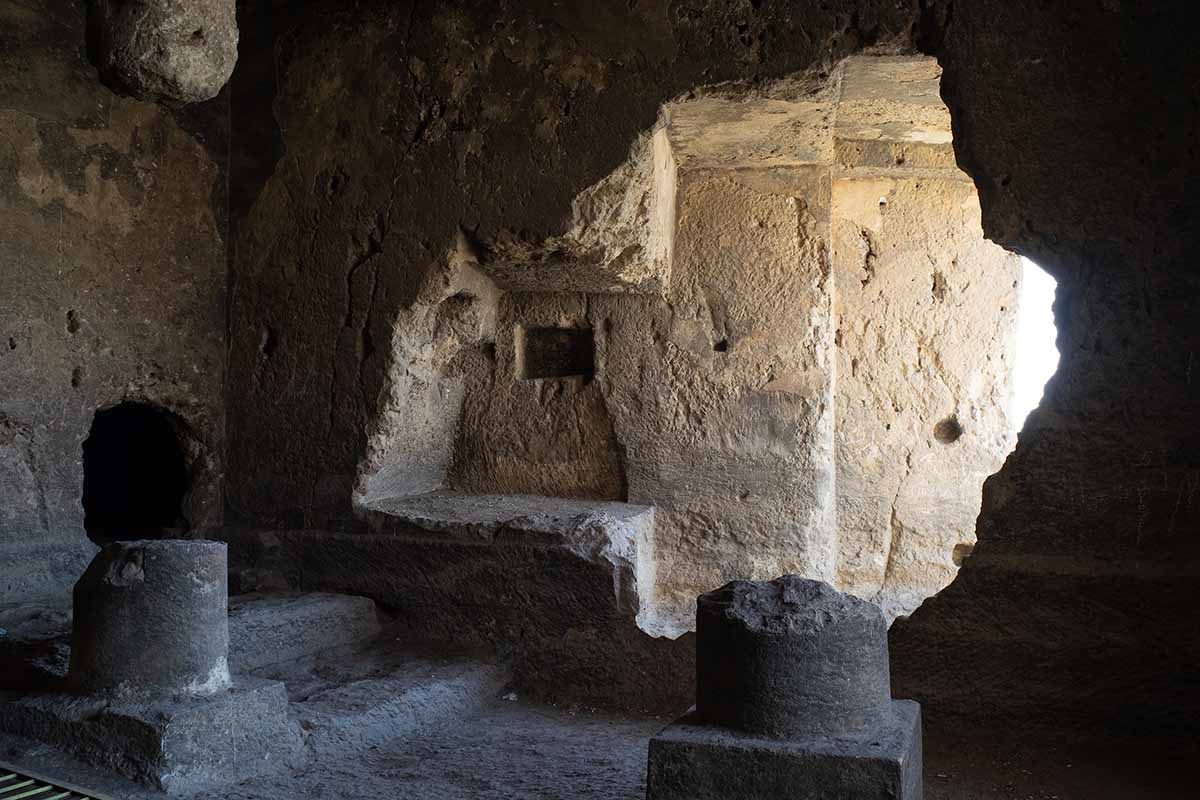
(519,750)
(516,750)
(376,718)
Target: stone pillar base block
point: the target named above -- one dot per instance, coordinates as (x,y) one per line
(692,761)
(176,744)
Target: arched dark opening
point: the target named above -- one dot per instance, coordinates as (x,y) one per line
(134,475)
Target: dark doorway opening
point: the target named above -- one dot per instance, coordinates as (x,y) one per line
(134,475)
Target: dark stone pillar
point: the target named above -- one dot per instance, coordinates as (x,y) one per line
(151,691)
(792,700)
(790,657)
(152,616)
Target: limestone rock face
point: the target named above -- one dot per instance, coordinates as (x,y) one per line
(152,616)
(768,311)
(173,50)
(790,657)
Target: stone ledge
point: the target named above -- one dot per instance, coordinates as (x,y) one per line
(497,517)
(612,535)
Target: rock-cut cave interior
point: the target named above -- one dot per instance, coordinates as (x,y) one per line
(665,399)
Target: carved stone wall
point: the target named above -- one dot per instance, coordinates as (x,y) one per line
(112,285)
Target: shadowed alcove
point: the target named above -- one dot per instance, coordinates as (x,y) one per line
(134,475)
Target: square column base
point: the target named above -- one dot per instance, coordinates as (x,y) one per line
(692,761)
(177,744)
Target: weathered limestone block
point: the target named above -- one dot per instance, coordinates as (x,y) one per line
(436,344)
(890,114)
(722,395)
(792,700)
(604,539)
(175,50)
(152,616)
(926,314)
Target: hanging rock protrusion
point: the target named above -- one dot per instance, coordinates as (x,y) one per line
(175,51)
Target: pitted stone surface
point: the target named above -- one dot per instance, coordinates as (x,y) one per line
(175,50)
(790,657)
(789,604)
(766,447)
(151,616)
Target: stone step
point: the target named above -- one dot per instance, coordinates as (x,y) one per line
(271,628)
(357,697)
(264,628)
(177,744)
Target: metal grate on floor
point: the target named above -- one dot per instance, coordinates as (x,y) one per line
(16,786)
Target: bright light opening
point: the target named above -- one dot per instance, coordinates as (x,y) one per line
(1036,353)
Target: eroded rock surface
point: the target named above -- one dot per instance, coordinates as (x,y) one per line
(823,299)
(180,51)
(790,657)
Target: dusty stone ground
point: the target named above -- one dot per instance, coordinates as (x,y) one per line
(384,719)
(517,750)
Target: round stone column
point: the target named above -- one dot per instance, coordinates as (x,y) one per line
(790,657)
(153,616)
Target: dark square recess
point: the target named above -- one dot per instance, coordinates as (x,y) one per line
(558,353)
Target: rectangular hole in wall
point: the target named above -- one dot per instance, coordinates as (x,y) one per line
(557,353)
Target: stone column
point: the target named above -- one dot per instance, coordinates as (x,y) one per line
(150,691)
(792,700)
(152,616)
(790,657)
